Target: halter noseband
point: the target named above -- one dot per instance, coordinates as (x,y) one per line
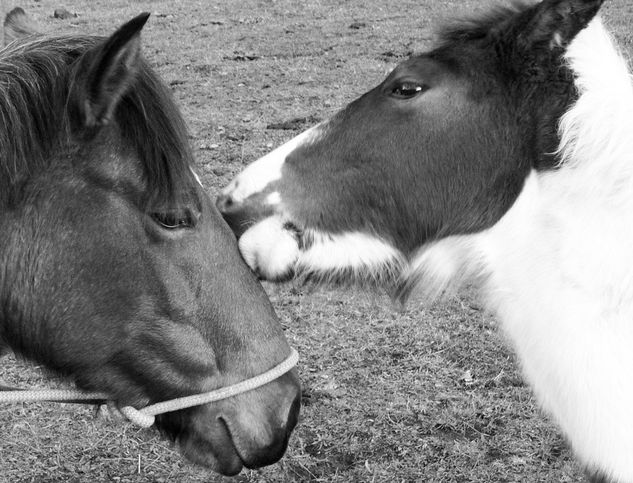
(145,417)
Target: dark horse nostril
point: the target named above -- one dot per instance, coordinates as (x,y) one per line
(280,434)
(224,203)
(241,214)
(293,414)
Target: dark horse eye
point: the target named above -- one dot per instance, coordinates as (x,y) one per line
(174,219)
(406,90)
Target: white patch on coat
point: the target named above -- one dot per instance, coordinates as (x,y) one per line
(350,255)
(558,267)
(273,199)
(274,252)
(267,169)
(269,249)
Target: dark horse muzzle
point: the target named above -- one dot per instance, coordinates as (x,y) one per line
(251,429)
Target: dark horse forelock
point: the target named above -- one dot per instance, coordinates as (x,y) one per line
(35,81)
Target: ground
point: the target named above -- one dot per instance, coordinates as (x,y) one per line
(391,394)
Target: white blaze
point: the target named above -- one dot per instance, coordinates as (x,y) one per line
(267,169)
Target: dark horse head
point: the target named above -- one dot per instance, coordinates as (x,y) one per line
(115,267)
(441,147)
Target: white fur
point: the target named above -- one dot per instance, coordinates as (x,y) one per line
(273,251)
(443,266)
(269,249)
(559,265)
(267,169)
(273,199)
(354,255)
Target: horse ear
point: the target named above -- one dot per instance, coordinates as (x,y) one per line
(105,73)
(18,24)
(553,24)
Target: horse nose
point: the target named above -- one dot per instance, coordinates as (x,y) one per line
(269,434)
(225,202)
(233,213)
(251,429)
(275,450)
(241,215)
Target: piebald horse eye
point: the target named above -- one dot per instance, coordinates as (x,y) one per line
(174,219)
(406,90)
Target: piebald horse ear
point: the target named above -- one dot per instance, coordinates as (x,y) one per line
(104,74)
(553,24)
(18,24)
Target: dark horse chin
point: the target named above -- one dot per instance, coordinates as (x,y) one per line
(115,267)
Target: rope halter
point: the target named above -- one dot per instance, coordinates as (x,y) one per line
(145,417)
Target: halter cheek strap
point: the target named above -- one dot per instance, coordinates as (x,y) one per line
(145,417)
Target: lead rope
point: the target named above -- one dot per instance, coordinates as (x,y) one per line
(145,417)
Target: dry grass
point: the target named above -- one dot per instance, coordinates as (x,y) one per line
(422,394)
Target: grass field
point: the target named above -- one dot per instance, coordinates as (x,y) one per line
(391,394)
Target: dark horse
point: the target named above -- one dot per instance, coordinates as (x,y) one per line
(115,267)
(502,157)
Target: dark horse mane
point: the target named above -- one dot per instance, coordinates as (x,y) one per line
(36,78)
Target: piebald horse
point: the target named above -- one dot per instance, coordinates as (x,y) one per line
(502,158)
